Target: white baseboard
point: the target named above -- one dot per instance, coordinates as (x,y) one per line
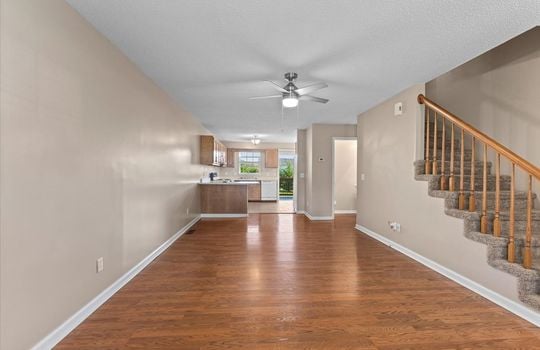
(71,323)
(351,211)
(300,212)
(318,218)
(223,216)
(510,305)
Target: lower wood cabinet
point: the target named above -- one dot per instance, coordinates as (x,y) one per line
(254,192)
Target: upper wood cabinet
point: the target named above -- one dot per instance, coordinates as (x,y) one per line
(212,151)
(230,158)
(271,158)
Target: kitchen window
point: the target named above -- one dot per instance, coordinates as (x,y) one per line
(249,162)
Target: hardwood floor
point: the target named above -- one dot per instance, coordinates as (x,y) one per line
(279,207)
(283,282)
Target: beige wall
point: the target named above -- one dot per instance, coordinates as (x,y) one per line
(315,190)
(345,175)
(309,168)
(387,148)
(96,161)
(300,187)
(498,93)
(319,182)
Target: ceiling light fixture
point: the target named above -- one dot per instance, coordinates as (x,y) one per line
(290,100)
(255,140)
(291,95)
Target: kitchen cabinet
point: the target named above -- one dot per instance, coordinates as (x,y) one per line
(230,158)
(223,198)
(212,152)
(271,158)
(254,192)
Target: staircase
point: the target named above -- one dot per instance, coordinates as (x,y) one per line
(494,212)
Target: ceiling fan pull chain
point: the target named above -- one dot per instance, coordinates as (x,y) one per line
(282,118)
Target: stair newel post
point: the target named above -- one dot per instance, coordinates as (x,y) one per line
(462,173)
(483,219)
(435,136)
(472,196)
(427,168)
(511,244)
(527,255)
(443,155)
(496,220)
(451,180)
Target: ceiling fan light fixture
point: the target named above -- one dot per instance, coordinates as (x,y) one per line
(255,140)
(291,94)
(290,102)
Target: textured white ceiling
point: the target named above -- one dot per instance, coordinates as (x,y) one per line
(212,55)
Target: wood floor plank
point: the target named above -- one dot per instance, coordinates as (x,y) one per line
(283,282)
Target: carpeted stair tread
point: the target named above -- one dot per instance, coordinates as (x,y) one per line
(528,279)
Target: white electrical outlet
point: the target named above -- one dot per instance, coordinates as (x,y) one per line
(394,226)
(99,265)
(187,211)
(362,177)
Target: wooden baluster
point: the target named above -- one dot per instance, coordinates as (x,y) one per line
(462,173)
(527,255)
(483,219)
(451,180)
(434,161)
(472,196)
(497,220)
(443,156)
(428,161)
(511,244)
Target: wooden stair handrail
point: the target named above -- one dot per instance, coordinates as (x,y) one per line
(513,157)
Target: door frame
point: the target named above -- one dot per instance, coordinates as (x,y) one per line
(334,139)
(295,156)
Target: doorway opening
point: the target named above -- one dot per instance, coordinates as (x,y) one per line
(281,180)
(286,175)
(344,186)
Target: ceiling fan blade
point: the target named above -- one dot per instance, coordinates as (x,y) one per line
(310,88)
(313,98)
(276,86)
(263,97)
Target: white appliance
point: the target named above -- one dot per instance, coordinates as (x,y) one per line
(269,190)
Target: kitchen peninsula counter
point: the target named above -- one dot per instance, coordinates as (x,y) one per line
(219,199)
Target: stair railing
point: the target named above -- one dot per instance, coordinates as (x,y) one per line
(431,167)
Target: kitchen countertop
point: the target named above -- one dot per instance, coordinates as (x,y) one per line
(214,183)
(236,182)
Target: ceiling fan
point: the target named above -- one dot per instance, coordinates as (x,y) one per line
(290,94)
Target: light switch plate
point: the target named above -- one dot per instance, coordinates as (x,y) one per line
(99,265)
(398,109)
